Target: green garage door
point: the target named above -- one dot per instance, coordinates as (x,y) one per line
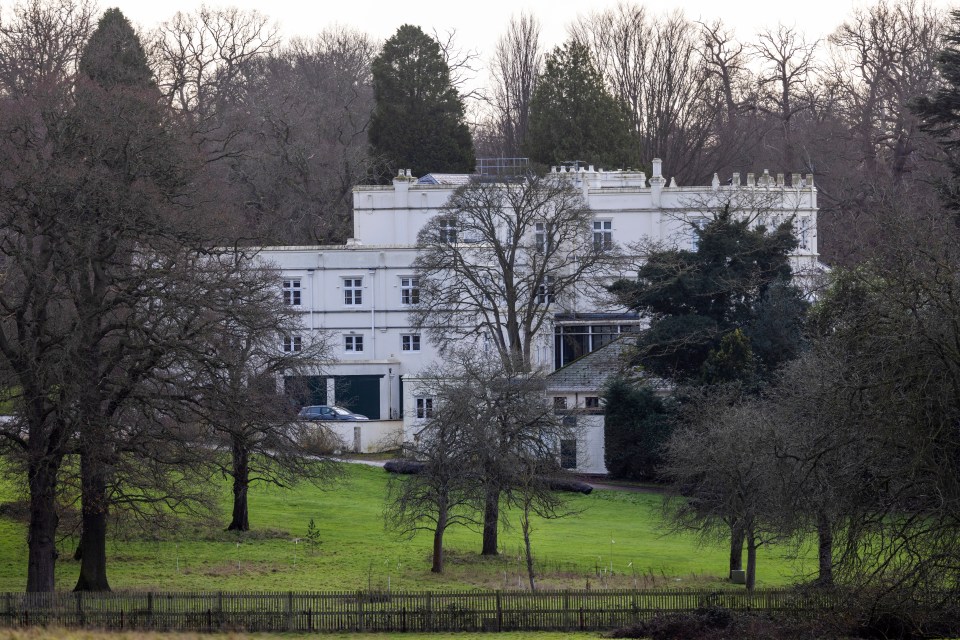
(360,394)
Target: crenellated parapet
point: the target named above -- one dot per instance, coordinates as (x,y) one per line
(629,204)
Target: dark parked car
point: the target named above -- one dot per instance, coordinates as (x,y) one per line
(327,413)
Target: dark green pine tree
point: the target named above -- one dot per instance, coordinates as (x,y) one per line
(724,312)
(574,117)
(418,118)
(114,55)
(636,424)
(941,112)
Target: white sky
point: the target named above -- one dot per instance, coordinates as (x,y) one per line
(479,23)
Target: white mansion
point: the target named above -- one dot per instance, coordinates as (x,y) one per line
(360,293)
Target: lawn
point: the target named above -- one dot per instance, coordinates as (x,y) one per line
(617,540)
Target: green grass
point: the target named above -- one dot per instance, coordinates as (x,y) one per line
(615,529)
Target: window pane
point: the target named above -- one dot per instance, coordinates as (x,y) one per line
(568,454)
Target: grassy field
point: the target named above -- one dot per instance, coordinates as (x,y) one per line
(616,541)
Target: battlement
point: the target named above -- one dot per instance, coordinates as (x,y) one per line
(599,178)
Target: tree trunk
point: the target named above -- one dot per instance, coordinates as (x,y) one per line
(42,531)
(736,546)
(825,550)
(751,559)
(241,485)
(491,522)
(437,566)
(94,512)
(525,525)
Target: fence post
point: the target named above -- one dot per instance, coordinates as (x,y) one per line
(360,620)
(80,617)
(566,610)
(429,615)
(499,613)
(150,610)
(290,611)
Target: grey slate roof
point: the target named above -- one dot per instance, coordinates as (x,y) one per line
(591,372)
(455,179)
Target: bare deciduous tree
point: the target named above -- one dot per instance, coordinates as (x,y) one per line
(40,43)
(517,61)
(499,258)
(462,63)
(495,440)
(787,72)
(883,58)
(303,114)
(719,464)
(239,404)
(657,67)
(199,58)
(444,492)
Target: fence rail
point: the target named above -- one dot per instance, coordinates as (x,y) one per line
(388,611)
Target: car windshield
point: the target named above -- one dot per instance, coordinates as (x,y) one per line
(342,412)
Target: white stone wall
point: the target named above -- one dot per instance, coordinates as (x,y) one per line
(367,436)
(638,208)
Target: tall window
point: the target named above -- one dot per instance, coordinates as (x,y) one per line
(447,230)
(409,290)
(424,407)
(353,291)
(410,342)
(545,291)
(804,233)
(574,341)
(603,235)
(568,453)
(543,237)
(291,292)
(353,344)
(696,226)
(292,344)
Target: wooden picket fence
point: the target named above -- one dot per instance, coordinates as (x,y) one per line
(421,611)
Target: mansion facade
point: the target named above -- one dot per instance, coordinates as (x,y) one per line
(360,294)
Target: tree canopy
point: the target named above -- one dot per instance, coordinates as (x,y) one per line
(574,117)
(724,311)
(418,118)
(114,54)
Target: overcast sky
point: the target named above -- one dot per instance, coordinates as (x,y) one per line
(479,23)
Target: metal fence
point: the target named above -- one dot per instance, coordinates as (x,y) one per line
(388,611)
